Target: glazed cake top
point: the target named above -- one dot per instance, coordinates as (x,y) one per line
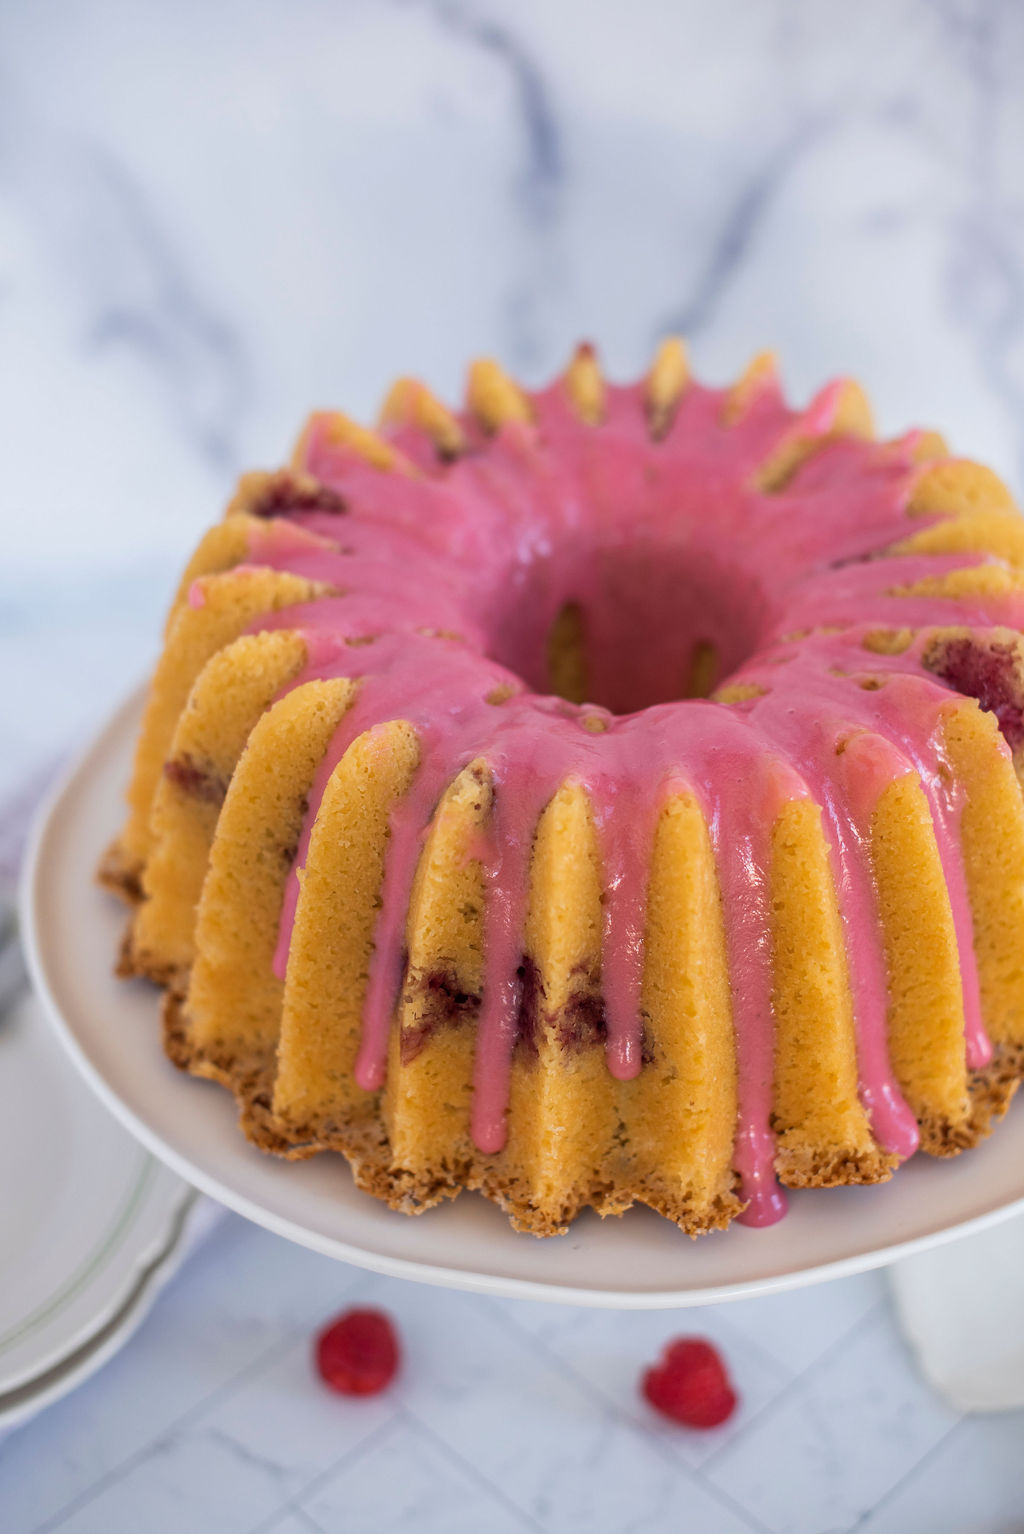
(694,536)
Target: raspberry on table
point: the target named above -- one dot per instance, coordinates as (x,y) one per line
(358,1354)
(690,1385)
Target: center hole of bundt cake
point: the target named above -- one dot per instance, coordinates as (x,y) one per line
(631,628)
(569,672)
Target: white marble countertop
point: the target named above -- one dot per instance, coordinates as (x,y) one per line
(213,216)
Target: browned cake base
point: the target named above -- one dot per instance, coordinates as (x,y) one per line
(223,774)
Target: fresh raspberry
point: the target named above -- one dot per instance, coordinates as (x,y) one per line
(690,1385)
(357,1354)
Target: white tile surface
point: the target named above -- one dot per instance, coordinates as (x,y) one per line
(844,1434)
(214,1419)
(214,217)
(798,1327)
(297,1522)
(973,1483)
(604,1359)
(408,1482)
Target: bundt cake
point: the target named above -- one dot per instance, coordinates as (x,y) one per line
(597,796)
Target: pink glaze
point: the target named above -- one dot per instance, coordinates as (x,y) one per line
(457,571)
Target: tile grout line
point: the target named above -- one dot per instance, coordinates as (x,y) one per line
(925,1458)
(748,1344)
(833,1350)
(878,1308)
(882,1306)
(907,1475)
(610,1407)
(294,1502)
(214,1397)
(470,1470)
(306,1518)
(613,1411)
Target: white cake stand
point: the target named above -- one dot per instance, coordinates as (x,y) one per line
(111,1030)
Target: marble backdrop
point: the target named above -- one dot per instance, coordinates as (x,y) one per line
(215,215)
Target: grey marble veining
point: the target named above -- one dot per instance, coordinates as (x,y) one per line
(213,217)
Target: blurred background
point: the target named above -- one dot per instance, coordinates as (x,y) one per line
(215,216)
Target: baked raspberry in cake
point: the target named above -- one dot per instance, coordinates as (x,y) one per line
(595,796)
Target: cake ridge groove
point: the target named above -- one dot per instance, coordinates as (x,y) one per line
(412,577)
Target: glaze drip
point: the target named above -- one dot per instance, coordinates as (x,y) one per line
(448,580)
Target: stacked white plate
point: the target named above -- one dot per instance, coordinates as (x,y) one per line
(91,1225)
